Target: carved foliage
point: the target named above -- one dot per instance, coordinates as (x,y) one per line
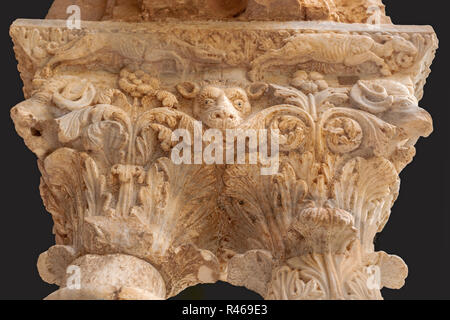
(323,169)
(111,187)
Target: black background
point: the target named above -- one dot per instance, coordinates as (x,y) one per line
(418,230)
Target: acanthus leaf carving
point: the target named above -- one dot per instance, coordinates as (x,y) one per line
(266,207)
(367,189)
(287,285)
(61,180)
(105,106)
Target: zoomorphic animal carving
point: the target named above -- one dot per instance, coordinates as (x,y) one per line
(349,50)
(221,106)
(95,46)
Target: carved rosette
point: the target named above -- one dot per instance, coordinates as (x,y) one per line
(100,113)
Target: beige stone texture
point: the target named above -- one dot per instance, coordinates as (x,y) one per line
(103,103)
(348,11)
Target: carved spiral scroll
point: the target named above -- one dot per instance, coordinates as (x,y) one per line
(74,94)
(343,134)
(349,130)
(295,126)
(377,96)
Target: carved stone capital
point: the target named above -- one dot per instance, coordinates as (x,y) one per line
(104,103)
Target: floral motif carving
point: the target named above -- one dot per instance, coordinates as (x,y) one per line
(104,139)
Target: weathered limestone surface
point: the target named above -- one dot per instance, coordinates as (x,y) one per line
(348,11)
(103,102)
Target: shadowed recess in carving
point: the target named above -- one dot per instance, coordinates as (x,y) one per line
(217,291)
